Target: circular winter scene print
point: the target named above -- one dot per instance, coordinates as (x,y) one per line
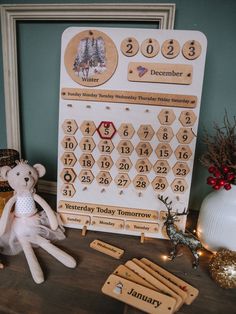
(91,58)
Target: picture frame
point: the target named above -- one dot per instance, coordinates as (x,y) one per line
(162,14)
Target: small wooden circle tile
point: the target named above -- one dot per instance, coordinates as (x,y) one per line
(150,47)
(129,46)
(170,48)
(191,50)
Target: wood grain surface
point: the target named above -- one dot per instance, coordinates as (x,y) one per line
(78,291)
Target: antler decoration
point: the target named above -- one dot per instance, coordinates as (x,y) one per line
(178,237)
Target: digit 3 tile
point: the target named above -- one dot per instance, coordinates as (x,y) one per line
(69,126)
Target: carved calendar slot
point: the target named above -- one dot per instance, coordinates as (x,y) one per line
(69,126)
(161,167)
(126,131)
(86,161)
(160,184)
(163,151)
(181,169)
(185,135)
(150,47)
(122,180)
(166,116)
(187,118)
(106,130)
(86,177)
(69,143)
(141,182)
(87,144)
(145,132)
(179,186)
(124,164)
(143,149)
(183,152)
(104,178)
(105,162)
(143,166)
(125,148)
(88,128)
(68,190)
(105,146)
(165,134)
(68,159)
(68,175)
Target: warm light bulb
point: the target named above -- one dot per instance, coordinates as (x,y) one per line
(164,257)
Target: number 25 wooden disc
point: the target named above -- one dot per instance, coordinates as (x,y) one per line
(91,58)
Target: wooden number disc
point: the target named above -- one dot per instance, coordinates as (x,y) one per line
(129,46)
(192,50)
(150,47)
(170,48)
(91,58)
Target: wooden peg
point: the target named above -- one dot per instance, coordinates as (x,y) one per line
(84,230)
(142,238)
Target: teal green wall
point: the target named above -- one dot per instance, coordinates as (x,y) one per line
(39,62)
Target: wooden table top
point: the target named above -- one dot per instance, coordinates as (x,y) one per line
(78,291)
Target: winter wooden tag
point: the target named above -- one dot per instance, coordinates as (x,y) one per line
(126,273)
(192,292)
(106,248)
(145,299)
(155,282)
(160,278)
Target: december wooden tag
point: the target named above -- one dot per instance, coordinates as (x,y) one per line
(192,292)
(106,248)
(140,297)
(162,288)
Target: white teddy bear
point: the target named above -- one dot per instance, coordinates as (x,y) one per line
(23,226)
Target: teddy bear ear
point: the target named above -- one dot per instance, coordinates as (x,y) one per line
(40,170)
(4,171)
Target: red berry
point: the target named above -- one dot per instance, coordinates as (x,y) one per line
(221,182)
(227,186)
(212,169)
(225,169)
(217,174)
(211,181)
(216,187)
(230,176)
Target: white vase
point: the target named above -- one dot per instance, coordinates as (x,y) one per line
(217,220)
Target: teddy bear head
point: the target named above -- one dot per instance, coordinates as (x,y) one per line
(23,177)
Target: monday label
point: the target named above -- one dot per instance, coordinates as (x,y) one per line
(112,211)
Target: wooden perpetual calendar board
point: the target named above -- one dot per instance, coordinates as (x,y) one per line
(129,109)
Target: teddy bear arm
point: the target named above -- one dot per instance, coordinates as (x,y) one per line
(49,212)
(6,213)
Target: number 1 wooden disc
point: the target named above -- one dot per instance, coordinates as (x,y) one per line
(91,58)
